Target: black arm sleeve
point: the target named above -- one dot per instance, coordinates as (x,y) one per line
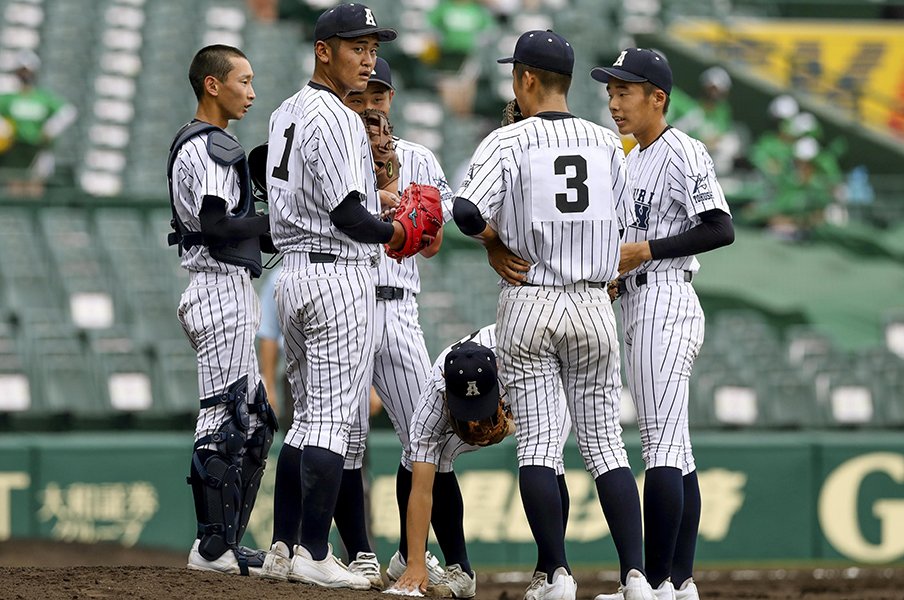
(352,219)
(467,216)
(714,231)
(218,228)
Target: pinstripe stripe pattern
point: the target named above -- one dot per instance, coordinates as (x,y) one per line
(512,188)
(432,438)
(319,148)
(220,314)
(673,180)
(326,313)
(663,331)
(195,175)
(547,336)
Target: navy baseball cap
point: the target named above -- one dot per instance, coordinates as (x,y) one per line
(382,73)
(637,65)
(350,21)
(472,387)
(545,50)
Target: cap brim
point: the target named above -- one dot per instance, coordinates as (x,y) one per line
(384,34)
(603,74)
(381,81)
(467,409)
(503,61)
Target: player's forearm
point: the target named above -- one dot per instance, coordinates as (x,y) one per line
(420,505)
(352,219)
(714,231)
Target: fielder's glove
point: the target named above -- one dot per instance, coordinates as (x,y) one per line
(487,431)
(421,216)
(511,113)
(382,146)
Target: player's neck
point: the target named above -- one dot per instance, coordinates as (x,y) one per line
(651,134)
(210,114)
(549,104)
(321,78)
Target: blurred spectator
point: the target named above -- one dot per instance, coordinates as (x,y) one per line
(265,11)
(31,118)
(709,118)
(458,25)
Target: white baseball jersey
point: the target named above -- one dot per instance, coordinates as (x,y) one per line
(555,189)
(319,153)
(219,310)
(401,360)
(662,322)
(432,438)
(673,181)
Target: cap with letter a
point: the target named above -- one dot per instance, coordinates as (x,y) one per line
(545,50)
(349,21)
(636,65)
(472,385)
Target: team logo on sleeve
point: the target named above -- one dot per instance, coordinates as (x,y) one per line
(701,191)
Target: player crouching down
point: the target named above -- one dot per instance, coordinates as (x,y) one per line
(461,409)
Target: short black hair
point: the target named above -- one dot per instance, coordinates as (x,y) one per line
(555,82)
(649,88)
(212,60)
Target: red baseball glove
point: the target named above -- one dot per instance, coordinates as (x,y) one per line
(421,215)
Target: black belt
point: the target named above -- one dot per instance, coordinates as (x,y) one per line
(322,258)
(641,280)
(387,292)
(590,284)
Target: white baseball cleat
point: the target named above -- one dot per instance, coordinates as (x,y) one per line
(329,572)
(455,584)
(397,566)
(636,587)
(278,563)
(227,563)
(665,591)
(367,565)
(687,591)
(563,586)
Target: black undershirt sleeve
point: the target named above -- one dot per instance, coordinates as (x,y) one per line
(218,228)
(714,231)
(352,219)
(467,216)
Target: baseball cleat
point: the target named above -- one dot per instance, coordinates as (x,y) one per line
(329,572)
(636,587)
(665,591)
(367,565)
(455,584)
(397,566)
(278,563)
(227,563)
(688,591)
(563,586)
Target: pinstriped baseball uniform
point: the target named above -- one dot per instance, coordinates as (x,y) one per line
(219,310)
(318,154)
(432,438)
(401,361)
(555,189)
(674,181)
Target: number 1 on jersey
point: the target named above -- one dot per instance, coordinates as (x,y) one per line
(281,171)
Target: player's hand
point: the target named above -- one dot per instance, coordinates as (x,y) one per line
(388,203)
(510,267)
(414,578)
(633,254)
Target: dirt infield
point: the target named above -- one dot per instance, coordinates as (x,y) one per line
(90,572)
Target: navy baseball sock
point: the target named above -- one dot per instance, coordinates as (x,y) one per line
(542,500)
(321,475)
(683,563)
(663,505)
(566,501)
(402,492)
(621,506)
(349,513)
(287,497)
(447,518)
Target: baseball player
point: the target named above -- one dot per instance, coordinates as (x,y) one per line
(554,188)
(680,211)
(460,401)
(218,233)
(401,361)
(323,198)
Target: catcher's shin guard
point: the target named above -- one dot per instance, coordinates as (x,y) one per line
(216,475)
(257,446)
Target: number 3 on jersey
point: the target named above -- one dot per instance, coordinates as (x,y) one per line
(569,184)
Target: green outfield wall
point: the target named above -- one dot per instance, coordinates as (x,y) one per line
(766,496)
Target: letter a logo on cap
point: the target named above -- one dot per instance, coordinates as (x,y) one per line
(620,60)
(369,17)
(472,389)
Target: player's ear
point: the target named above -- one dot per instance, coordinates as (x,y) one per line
(211,85)
(322,51)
